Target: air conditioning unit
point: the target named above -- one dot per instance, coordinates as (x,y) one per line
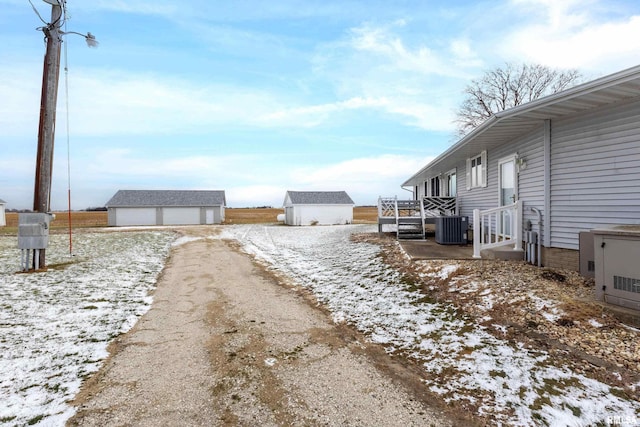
(452,230)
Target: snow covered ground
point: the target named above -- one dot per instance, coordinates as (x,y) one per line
(509,383)
(55,326)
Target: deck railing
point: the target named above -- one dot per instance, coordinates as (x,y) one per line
(440,206)
(497,227)
(387,207)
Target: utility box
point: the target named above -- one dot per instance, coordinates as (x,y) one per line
(452,230)
(33,236)
(587,254)
(617,270)
(33,230)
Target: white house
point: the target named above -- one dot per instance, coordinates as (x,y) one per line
(564,164)
(3,218)
(317,208)
(166,207)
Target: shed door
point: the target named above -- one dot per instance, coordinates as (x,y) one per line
(180,216)
(209,216)
(508,190)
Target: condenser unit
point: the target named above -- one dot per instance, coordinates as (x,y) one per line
(452,230)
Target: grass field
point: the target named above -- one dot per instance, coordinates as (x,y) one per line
(82,219)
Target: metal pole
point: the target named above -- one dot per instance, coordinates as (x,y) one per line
(47,125)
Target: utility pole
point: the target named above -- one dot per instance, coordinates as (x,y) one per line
(47,125)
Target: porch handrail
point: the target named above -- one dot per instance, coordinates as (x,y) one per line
(487,230)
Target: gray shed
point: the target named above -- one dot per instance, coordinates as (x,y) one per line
(166,207)
(318,207)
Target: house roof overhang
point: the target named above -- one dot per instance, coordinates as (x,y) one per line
(507,125)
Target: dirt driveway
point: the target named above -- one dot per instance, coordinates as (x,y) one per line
(227,344)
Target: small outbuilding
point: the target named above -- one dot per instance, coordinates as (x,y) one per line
(166,207)
(318,208)
(3,218)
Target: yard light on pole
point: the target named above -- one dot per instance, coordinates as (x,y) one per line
(47,124)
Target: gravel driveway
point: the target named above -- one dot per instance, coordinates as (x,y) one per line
(225,343)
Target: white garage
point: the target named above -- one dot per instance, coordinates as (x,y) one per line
(166,207)
(318,208)
(3,218)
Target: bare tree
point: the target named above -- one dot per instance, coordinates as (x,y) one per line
(509,86)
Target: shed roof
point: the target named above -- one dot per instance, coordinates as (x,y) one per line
(506,125)
(319,198)
(2,201)
(184,198)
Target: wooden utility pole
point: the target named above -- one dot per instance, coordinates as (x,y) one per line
(47,126)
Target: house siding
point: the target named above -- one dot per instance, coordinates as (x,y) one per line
(530,179)
(595,159)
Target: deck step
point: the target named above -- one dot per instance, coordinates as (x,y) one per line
(410,230)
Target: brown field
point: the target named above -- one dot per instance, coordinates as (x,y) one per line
(81,219)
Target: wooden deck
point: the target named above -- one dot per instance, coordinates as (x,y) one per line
(411,217)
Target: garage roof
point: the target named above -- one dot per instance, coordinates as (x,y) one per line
(319,198)
(183,198)
(509,124)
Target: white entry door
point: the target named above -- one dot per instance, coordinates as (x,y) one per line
(508,191)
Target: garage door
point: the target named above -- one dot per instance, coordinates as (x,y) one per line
(180,216)
(135,216)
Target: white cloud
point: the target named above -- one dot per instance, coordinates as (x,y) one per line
(363,178)
(464,55)
(246,180)
(418,83)
(314,115)
(255,195)
(574,35)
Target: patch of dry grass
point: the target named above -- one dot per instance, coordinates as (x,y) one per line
(79,219)
(82,219)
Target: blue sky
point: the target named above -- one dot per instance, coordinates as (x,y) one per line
(257,97)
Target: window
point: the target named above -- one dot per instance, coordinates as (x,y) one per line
(435,186)
(477,171)
(451,184)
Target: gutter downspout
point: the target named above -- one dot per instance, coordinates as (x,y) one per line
(537,212)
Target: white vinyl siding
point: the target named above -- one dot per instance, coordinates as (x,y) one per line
(594,172)
(530,179)
(318,214)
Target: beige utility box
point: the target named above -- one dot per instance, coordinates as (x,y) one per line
(617,264)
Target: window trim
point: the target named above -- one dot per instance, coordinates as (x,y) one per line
(446,180)
(483,172)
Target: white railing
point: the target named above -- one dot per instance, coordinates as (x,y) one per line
(497,227)
(387,207)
